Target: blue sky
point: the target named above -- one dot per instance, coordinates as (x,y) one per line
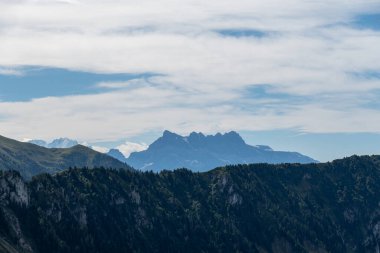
(39,82)
(301,76)
(368,21)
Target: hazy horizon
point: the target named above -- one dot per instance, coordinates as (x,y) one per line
(318,146)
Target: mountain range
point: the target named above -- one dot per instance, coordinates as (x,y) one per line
(199,152)
(324,207)
(57,143)
(30,159)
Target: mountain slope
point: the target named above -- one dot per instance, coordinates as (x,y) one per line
(30,159)
(201,153)
(331,207)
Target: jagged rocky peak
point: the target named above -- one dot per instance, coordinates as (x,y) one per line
(231,137)
(169,138)
(233,134)
(201,152)
(115,153)
(198,139)
(194,136)
(57,143)
(168,134)
(63,143)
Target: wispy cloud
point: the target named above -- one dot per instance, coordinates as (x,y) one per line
(207,57)
(10,71)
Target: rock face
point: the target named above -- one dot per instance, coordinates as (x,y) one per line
(331,207)
(13,195)
(198,152)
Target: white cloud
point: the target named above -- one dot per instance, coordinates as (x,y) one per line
(10,72)
(129,147)
(311,52)
(113,115)
(100,149)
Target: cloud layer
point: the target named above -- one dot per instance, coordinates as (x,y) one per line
(325,68)
(129,147)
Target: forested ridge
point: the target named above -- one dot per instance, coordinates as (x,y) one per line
(326,207)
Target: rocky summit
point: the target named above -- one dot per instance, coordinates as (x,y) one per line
(199,152)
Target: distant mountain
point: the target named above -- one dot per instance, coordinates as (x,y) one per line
(62,143)
(41,143)
(57,143)
(200,153)
(319,208)
(30,159)
(115,153)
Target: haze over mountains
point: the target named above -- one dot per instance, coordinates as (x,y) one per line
(199,152)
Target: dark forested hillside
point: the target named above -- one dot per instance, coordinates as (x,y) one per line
(30,159)
(331,207)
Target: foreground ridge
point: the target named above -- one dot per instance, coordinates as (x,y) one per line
(30,159)
(327,207)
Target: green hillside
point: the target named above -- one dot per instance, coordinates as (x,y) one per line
(30,159)
(330,207)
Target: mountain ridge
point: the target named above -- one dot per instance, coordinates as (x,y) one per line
(325,207)
(200,152)
(30,159)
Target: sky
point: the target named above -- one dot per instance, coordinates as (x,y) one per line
(298,75)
